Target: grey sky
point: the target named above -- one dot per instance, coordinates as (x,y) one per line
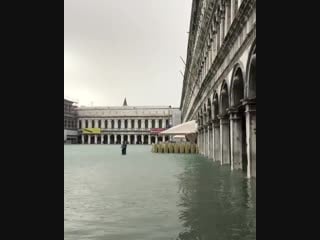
(125,48)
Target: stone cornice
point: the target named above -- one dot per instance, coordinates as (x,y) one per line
(191,47)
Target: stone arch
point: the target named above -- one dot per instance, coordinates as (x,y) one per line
(132,139)
(251,73)
(237,91)
(112,139)
(209,109)
(238,120)
(145,139)
(118,139)
(250,105)
(224,99)
(215,104)
(224,124)
(201,117)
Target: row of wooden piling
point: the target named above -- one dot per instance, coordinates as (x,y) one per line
(175,148)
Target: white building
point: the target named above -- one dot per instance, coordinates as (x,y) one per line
(134,124)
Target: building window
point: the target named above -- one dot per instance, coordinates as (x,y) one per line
(105,123)
(87,123)
(112,124)
(119,123)
(126,123)
(146,123)
(153,123)
(99,123)
(132,124)
(160,123)
(65,123)
(92,123)
(80,124)
(139,123)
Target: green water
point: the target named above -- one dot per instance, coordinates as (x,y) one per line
(148,196)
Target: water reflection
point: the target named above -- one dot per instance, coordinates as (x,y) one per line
(216,203)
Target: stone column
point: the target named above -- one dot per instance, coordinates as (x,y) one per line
(201,140)
(205,144)
(210,141)
(102,138)
(204,140)
(149,123)
(82,139)
(122,124)
(143,124)
(216,140)
(108,137)
(156,138)
(157,123)
(250,106)
(135,139)
(89,139)
(198,138)
(115,123)
(207,141)
(236,139)
(95,139)
(149,139)
(225,139)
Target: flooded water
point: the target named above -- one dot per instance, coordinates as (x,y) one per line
(149,196)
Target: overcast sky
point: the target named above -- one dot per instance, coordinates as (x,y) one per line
(125,48)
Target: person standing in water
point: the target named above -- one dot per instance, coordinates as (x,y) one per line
(124,148)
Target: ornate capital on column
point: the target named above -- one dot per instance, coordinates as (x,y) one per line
(250,104)
(224,119)
(234,113)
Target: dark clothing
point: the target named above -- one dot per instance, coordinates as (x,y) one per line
(124,148)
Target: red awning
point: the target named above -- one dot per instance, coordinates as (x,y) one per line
(156,130)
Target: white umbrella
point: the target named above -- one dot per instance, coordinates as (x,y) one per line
(185,128)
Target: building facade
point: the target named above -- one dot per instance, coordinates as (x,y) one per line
(133,124)
(70,122)
(219,88)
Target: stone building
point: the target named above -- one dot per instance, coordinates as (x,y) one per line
(70,122)
(134,124)
(219,88)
